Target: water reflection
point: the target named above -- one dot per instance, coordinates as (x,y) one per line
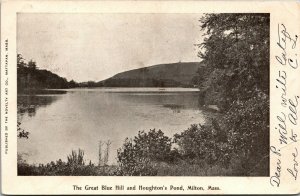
(174,107)
(28,104)
(175,100)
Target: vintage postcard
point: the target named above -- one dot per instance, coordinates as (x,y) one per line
(150,97)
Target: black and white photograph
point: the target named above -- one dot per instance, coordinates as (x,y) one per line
(143,94)
(166,97)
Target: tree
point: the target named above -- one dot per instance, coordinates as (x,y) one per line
(20,61)
(238,43)
(236,46)
(32,65)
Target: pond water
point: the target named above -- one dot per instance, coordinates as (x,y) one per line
(80,118)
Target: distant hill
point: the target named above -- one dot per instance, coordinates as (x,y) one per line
(31,79)
(163,75)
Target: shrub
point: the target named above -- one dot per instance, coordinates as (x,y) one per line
(203,143)
(140,155)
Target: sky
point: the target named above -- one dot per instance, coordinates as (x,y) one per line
(86,47)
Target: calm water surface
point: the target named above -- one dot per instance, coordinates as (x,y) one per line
(80,118)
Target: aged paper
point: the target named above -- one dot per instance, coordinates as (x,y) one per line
(150,97)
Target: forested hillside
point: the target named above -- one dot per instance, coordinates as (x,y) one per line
(30,78)
(163,75)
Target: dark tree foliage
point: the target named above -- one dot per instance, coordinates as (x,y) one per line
(30,78)
(239,44)
(236,49)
